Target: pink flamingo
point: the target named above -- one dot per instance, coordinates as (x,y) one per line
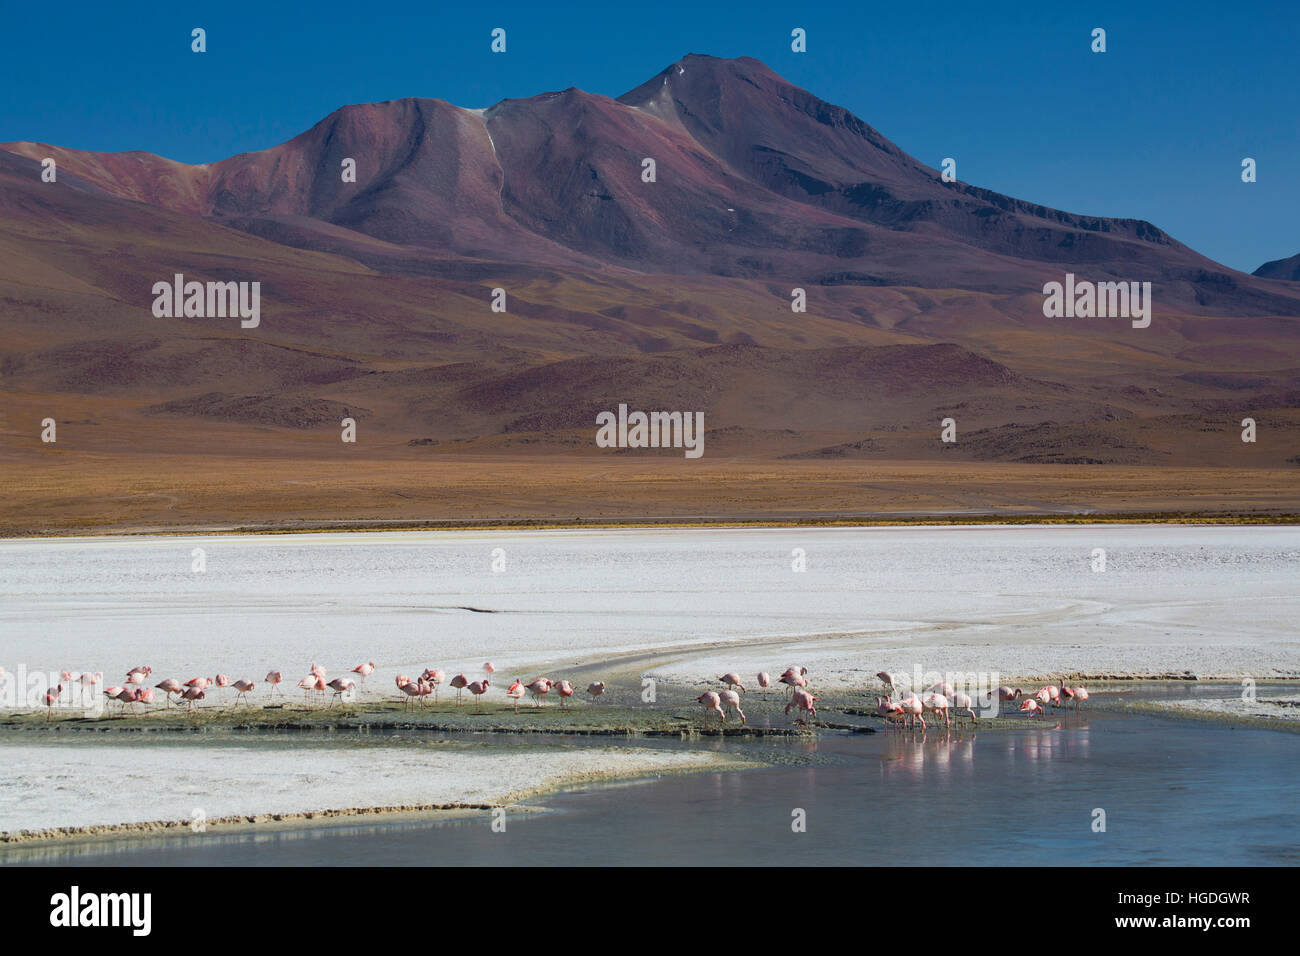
(912,709)
(793,680)
(113,693)
(478,688)
(460,682)
(804,701)
(408,687)
(712,702)
(1006,694)
(731,701)
(317,670)
(199,683)
(221,680)
(1076,694)
(169,686)
(243,687)
(595,689)
(365,670)
(937,703)
(489,669)
(307,685)
(273,679)
(564,689)
(434,677)
(887,679)
(1031,707)
(764,680)
(425,689)
(732,681)
(52,698)
(134,678)
(539,689)
(340,686)
(963,704)
(943,687)
(193,695)
(891,711)
(516,691)
(143,671)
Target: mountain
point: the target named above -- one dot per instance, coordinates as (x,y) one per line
(924,297)
(1287,269)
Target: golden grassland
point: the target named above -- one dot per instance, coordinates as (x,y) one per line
(79,492)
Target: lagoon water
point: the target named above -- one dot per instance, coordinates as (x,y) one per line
(1173,793)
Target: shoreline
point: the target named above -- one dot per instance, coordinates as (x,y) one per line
(71,836)
(920,520)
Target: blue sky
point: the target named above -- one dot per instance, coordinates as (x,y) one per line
(1155,128)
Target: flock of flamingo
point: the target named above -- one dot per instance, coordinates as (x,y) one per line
(940,701)
(134,691)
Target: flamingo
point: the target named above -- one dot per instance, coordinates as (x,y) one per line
(732,680)
(912,710)
(516,691)
(937,703)
(340,686)
(731,700)
(144,695)
(425,689)
(564,689)
(307,685)
(52,698)
(243,687)
(489,668)
(460,682)
(135,678)
(221,680)
(1031,707)
(712,702)
(169,686)
(595,689)
(143,671)
(478,688)
(193,695)
(887,679)
(273,678)
(764,680)
(890,710)
(804,701)
(112,693)
(538,689)
(1006,694)
(408,687)
(198,683)
(1077,694)
(943,687)
(317,670)
(434,677)
(793,680)
(127,695)
(963,704)
(365,670)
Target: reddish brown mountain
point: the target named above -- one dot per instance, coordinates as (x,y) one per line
(924,297)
